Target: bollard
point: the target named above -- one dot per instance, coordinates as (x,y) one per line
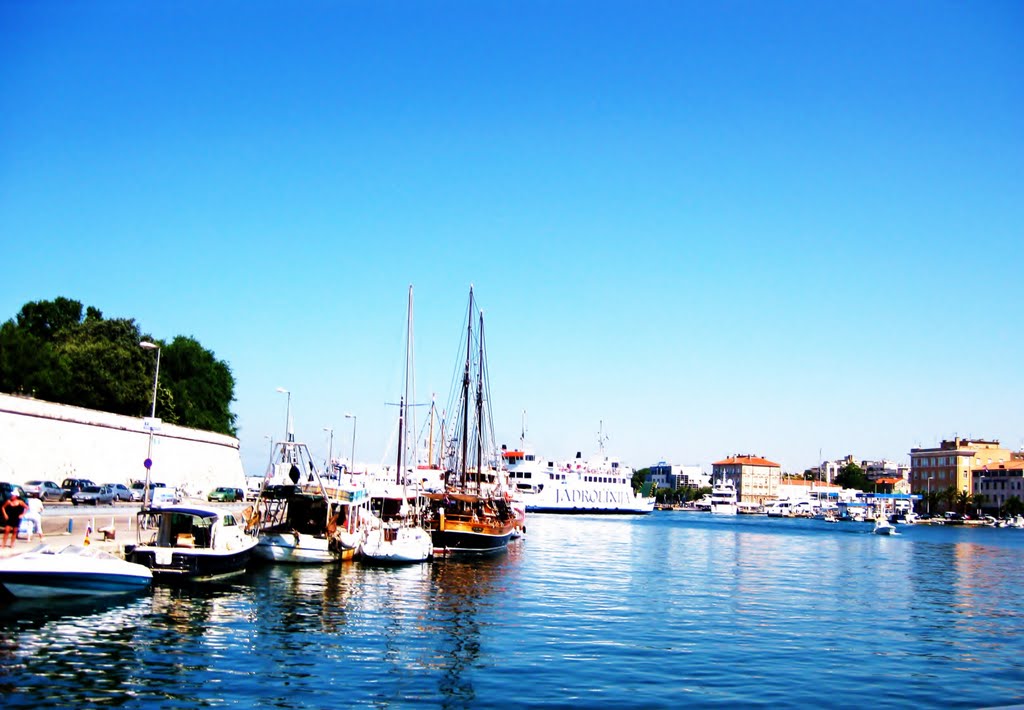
(71,526)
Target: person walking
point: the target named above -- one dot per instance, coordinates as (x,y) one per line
(34,515)
(12,512)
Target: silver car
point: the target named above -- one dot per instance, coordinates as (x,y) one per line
(120,491)
(44,490)
(94,495)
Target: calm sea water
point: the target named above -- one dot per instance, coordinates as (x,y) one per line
(654,611)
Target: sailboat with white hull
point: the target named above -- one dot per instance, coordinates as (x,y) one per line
(396,537)
(472,515)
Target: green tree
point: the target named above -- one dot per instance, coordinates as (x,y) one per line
(948,496)
(45,319)
(1013,507)
(50,351)
(108,368)
(639,476)
(201,387)
(852,476)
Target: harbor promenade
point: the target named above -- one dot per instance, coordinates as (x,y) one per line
(108,527)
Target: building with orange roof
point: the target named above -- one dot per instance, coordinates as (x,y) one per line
(756,478)
(998,482)
(892,484)
(953,462)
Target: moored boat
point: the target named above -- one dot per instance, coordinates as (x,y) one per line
(601,484)
(396,536)
(471,516)
(723,497)
(298,519)
(70,570)
(191,544)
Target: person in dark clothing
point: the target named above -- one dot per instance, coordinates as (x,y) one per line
(12,510)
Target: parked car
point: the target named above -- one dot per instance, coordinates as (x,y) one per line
(139,488)
(44,490)
(120,491)
(226,495)
(73,485)
(7,488)
(94,494)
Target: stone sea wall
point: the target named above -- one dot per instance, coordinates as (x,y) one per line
(43,440)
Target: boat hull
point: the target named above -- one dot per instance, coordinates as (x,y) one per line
(389,546)
(34,585)
(297,549)
(463,540)
(586,501)
(71,571)
(172,565)
(590,511)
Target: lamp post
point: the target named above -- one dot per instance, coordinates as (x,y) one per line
(146,345)
(352,466)
(330,452)
(287,414)
(928,495)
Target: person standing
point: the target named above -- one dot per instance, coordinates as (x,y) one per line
(12,510)
(34,515)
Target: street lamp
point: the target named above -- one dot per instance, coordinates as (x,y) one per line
(929,494)
(287,414)
(352,467)
(330,452)
(146,345)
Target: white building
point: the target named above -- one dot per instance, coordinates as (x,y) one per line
(665,475)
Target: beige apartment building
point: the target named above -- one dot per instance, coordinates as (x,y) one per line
(952,463)
(756,479)
(999,482)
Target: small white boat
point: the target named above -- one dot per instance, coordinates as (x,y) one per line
(883,526)
(70,570)
(397,544)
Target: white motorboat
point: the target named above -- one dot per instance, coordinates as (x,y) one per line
(192,543)
(70,570)
(883,526)
(723,497)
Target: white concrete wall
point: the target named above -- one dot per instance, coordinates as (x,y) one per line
(54,441)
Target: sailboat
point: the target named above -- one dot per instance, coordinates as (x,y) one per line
(471,516)
(397,538)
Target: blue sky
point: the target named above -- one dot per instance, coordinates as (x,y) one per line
(717,228)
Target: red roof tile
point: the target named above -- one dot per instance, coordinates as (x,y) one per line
(746,461)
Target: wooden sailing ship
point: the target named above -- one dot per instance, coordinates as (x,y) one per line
(471,516)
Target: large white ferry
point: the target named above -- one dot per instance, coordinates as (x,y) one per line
(599,485)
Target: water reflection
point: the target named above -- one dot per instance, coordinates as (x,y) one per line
(460,591)
(82,647)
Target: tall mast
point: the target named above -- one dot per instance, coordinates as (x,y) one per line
(480,407)
(430,436)
(465,388)
(403,403)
